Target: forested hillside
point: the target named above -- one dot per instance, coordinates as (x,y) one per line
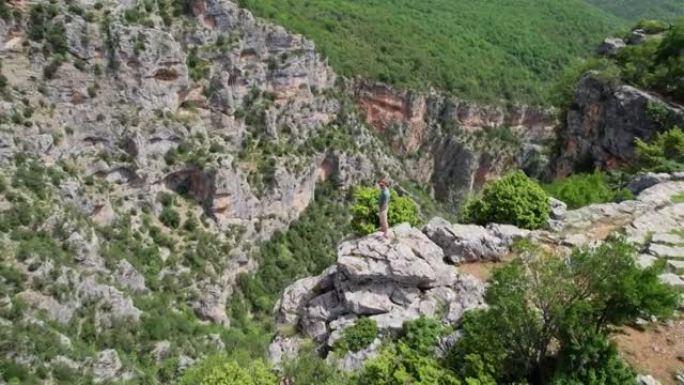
(640,9)
(487,51)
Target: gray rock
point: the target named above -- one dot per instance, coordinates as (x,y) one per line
(211,306)
(352,361)
(667,239)
(185,362)
(603,122)
(558,209)
(409,258)
(389,281)
(646,380)
(674,265)
(161,350)
(643,181)
(107,367)
(128,277)
(283,348)
(115,306)
(637,37)
(509,234)
(672,279)
(54,310)
(646,260)
(465,243)
(664,251)
(611,46)
(297,295)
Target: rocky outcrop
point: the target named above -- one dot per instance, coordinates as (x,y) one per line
(388,281)
(605,120)
(454,145)
(472,243)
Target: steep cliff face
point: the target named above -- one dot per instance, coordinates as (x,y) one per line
(454,145)
(145,150)
(604,121)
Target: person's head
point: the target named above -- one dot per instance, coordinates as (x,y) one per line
(383,183)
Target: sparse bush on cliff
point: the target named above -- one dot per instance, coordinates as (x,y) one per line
(665,153)
(584,189)
(514,199)
(226,371)
(357,336)
(365,210)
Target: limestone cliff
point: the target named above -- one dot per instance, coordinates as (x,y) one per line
(454,145)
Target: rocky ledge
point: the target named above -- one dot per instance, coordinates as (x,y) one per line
(413,274)
(388,280)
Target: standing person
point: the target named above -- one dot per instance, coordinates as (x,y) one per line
(383,206)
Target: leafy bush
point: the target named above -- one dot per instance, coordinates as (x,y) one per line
(226,371)
(584,189)
(422,334)
(665,153)
(170,217)
(580,298)
(365,210)
(357,336)
(514,199)
(411,360)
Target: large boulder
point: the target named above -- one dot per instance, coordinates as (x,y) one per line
(472,243)
(410,259)
(390,281)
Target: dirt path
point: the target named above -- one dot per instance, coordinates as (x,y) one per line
(658,350)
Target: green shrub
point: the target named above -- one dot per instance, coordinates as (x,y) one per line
(422,334)
(665,153)
(225,371)
(584,189)
(514,199)
(365,210)
(653,26)
(399,365)
(357,336)
(582,299)
(170,217)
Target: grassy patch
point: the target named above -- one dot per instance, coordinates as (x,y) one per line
(584,189)
(679,198)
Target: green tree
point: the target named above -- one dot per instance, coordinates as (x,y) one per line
(542,299)
(514,199)
(365,210)
(221,370)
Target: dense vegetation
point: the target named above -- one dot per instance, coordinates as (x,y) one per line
(656,64)
(365,210)
(514,199)
(488,51)
(584,189)
(556,313)
(640,9)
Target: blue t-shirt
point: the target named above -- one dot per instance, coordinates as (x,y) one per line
(384,197)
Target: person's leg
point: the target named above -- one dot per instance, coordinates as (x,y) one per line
(384,227)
